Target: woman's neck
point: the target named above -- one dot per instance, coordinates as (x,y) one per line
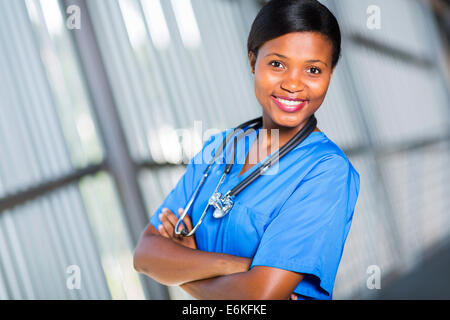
(284,133)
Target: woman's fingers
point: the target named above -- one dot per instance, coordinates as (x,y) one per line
(162,231)
(167,228)
(180,212)
(169,220)
(164,228)
(166,222)
(187,221)
(188,241)
(172,218)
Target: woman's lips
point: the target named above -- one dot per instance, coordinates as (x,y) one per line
(289,108)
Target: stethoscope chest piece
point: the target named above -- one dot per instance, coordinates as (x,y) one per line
(218,213)
(222,204)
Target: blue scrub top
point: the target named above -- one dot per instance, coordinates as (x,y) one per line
(294,217)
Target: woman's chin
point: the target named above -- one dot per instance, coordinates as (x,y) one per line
(288,120)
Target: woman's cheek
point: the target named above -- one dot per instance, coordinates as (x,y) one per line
(265,86)
(316,86)
(318,89)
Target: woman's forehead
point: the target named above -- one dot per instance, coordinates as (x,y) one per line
(297,45)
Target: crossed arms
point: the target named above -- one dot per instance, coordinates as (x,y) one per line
(173,260)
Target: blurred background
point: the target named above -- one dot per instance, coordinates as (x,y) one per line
(100,107)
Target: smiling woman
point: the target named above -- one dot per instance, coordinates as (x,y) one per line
(292,74)
(285,233)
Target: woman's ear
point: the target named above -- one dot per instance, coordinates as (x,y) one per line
(252,61)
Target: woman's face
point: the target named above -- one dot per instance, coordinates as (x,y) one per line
(292,74)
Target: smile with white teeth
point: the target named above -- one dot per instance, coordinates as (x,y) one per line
(289,102)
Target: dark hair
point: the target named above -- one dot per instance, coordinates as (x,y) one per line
(279,17)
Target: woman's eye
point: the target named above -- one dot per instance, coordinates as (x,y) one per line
(275,64)
(315,70)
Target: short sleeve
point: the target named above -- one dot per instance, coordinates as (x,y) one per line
(179,195)
(309,232)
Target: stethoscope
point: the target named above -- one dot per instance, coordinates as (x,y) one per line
(224,203)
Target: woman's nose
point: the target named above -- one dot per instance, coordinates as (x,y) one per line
(293,82)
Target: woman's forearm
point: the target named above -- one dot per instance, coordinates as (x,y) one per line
(238,286)
(173,264)
(259,283)
(218,288)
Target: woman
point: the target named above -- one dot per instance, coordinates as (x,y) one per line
(285,234)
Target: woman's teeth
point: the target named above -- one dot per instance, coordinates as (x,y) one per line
(289,102)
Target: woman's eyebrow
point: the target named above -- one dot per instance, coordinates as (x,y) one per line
(281,56)
(276,54)
(315,60)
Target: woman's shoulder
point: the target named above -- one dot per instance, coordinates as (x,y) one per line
(329,168)
(326,156)
(320,145)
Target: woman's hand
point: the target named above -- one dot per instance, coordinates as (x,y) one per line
(293,296)
(167,228)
